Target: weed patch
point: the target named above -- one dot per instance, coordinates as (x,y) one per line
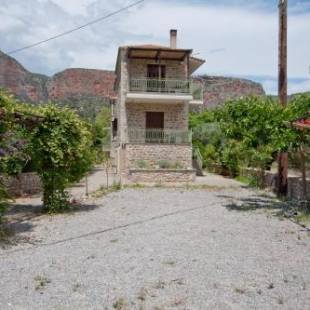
(41,282)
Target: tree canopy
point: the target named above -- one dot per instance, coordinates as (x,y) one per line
(57,140)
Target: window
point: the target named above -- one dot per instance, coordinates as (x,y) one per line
(114,128)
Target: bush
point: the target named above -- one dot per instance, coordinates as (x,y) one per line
(142,164)
(62,152)
(167,164)
(3,202)
(57,140)
(231,158)
(164,164)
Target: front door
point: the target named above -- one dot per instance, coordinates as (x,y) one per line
(154,127)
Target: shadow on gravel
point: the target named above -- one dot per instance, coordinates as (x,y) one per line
(252,204)
(21,219)
(291,210)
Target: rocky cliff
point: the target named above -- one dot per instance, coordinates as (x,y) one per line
(87,90)
(220,89)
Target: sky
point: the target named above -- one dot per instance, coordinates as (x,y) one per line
(236,37)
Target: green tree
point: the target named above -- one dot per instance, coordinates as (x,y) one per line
(258,124)
(62,152)
(102,133)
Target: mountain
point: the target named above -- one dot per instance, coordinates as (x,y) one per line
(86,90)
(220,89)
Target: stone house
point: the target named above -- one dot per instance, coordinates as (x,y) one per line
(151,141)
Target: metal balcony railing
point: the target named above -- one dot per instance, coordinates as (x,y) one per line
(159,136)
(167,86)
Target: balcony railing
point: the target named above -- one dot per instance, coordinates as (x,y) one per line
(167,86)
(159,136)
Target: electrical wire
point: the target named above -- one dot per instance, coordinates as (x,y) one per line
(73,29)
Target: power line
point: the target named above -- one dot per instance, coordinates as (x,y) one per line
(74,29)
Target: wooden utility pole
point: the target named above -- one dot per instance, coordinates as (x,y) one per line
(283,157)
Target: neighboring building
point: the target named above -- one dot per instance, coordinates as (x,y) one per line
(151,141)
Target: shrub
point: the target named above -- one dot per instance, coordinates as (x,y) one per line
(164,164)
(3,202)
(177,165)
(141,164)
(167,164)
(62,152)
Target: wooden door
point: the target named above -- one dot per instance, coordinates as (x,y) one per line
(154,127)
(156,75)
(153,72)
(154,120)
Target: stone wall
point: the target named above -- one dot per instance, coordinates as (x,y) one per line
(161,176)
(295,188)
(175,70)
(175,115)
(295,184)
(24,184)
(153,153)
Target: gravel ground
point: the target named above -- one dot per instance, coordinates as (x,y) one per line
(160,249)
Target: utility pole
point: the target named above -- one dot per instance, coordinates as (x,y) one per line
(283,157)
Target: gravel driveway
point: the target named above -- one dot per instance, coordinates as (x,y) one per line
(160,249)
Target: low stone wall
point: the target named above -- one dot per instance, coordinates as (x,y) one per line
(153,153)
(295,188)
(161,176)
(23,184)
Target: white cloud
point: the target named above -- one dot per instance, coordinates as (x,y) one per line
(299,87)
(245,35)
(73,7)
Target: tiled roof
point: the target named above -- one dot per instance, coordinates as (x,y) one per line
(303,124)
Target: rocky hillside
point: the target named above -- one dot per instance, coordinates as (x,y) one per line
(220,89)
(87,90)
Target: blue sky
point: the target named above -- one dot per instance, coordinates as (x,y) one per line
(236,37)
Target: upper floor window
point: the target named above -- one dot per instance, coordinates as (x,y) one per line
(156,71)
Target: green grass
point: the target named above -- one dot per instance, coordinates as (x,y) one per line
(304,217)
(103,191)
(243,179)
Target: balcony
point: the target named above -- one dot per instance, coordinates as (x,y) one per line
(165,90)
(159,136)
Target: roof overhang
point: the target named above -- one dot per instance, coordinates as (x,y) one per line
(158,53)
(195,63)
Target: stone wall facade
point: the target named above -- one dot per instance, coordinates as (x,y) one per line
(175,70)
(175,115)
(161,176)
(23,184)
(154,153)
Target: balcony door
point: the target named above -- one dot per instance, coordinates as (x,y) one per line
(154,125)
(156,75)
(156,72)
